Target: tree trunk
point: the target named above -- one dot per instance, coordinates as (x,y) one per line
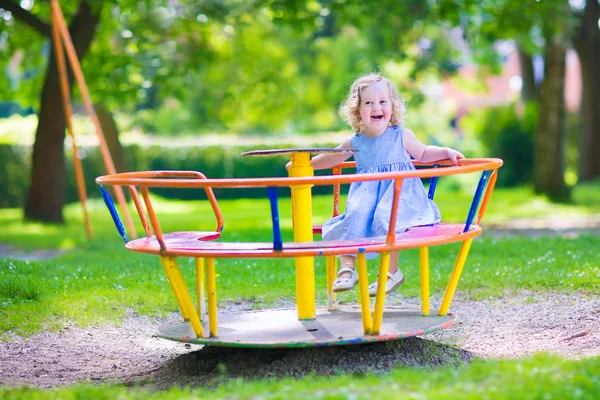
(549,152)
(587,45)
(111,135)
(529,89)
(46,195)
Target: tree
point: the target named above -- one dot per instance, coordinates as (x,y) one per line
(538,27)
(141,47)
(118,78)
(46,192)
(529,89)
(549,152)
(586,39)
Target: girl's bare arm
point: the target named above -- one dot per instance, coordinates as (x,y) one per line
(423,153)
(324,161)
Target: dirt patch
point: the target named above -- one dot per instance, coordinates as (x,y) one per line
(534,227)
(526,323)
(7,251)
(515,326)
(211,365)
(523,324)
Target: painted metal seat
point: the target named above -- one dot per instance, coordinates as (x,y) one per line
(195,244)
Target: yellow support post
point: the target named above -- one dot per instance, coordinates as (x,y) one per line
(458,267)
(200,292)
(384,268)
(363,285)
(182,294)
(302,220)
(175,288)
(424,258)
(331,269)
(211,283)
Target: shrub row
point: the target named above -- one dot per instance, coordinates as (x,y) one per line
(213,161)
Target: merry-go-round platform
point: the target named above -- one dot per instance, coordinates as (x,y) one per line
(280,328)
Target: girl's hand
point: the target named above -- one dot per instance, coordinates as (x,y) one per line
(454,156)
(288,165)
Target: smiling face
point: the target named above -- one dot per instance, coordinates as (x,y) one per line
(375,108)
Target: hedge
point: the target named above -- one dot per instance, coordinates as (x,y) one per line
(213,161)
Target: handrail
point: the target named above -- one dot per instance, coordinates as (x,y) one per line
(391,235)
(487,195)
(157,178)
(338,169)
(140,209)
(170,174)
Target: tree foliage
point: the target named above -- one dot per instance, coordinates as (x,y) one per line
(535,26)
(258,66)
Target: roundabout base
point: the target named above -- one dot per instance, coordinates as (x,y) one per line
(280,328)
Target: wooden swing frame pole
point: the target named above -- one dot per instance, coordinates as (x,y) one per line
(59,20)
(64,88)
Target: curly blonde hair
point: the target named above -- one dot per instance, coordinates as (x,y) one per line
(349,108)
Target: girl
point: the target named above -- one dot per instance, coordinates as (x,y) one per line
(376,113)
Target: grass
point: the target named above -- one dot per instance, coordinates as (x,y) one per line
(102,276)
(539,377)
(93,283)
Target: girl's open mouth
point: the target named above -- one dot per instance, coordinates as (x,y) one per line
(377,117)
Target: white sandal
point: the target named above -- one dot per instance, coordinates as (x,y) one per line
(394,280)
(345,284)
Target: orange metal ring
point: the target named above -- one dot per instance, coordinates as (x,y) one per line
(161,178)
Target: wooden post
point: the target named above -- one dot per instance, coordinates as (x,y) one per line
(59,20)
(64,88)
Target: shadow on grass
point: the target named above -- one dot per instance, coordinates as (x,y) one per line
(212,366)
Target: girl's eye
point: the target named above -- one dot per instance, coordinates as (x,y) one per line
(383,102)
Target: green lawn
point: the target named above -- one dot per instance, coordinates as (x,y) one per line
(539,377)
(96,282)
(102,276)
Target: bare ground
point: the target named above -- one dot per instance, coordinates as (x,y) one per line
(567,325)
(515,326)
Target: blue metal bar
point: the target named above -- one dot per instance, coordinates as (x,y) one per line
(476,199)
(432,184)
(113,212)
(277,241)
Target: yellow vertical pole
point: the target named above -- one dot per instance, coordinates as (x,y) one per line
(175,287)
(181,293)
(200,295)
(363,285)
(302,221)
(384,268)
(331,269)
(458,267)
(424,258)
(211,284)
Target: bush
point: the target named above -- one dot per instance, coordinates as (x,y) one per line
(508,134)
(212,161)
(14,174)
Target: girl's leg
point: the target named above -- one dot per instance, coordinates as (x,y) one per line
(394,261)
(395,277)
(347,277)
(347,262)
